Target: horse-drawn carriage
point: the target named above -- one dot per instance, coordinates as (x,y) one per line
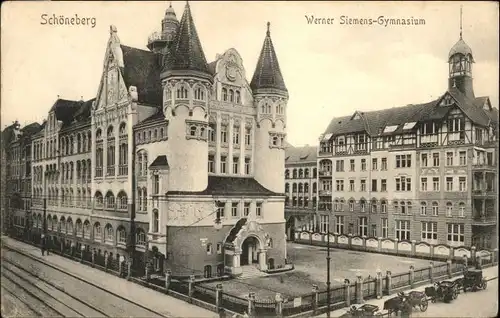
(444,290)
(365,310)
(474,280)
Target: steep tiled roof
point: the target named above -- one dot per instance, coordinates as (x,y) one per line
(158,116)
(142,70)
(186,51)
(267,73)
(231,186)
(460,47)
(301,154)
(65,109)
(374,121)
(160,161)
(30,129)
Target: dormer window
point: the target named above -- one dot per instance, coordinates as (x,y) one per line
(389,129)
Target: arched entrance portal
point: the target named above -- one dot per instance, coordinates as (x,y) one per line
(249,251)
(290,229)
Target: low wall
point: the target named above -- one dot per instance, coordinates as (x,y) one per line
(439,252)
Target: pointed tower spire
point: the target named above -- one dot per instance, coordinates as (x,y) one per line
(267,73)
(460,22)
(186,53)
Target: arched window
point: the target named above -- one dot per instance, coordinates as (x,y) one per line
(123,129)
(238,97)
(301,173)
(199,93)
(449,209)
(79,228)
(63,224)
(121,235)
(287,174)
(461,209)
(423,208)
(287,187)
(294,187)
(306,173)
(98,199)
(403,207)
(55,224)
(231,95)
(383,206)
(270,243)
(108,233)
(301,187)
(110,200)
(306,188)
(315,187)
(209,249)
(122,201)
(97,231)
(362,205)
(98,134)
(156,224)
(49,223)
(374,206)
(435,208)
(69,226)
(224,94)
(86,229)
(144,199)
(294,173)
(182,92)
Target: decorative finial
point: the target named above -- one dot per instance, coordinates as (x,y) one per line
(57,96)
(268,28)
(112,29)
(460,22)
(170,4)
(81,97)
(187,3)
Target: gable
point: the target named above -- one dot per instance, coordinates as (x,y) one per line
(446,100)
(356,116)
(112,89)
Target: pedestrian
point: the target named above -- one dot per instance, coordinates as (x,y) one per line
(42,245)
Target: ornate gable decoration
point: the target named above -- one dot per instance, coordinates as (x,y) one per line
(446,100)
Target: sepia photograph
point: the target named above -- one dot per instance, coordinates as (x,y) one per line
(249,159)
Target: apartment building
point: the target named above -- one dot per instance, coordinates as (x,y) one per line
(301,188)
(425,172)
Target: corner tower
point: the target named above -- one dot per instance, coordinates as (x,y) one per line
(460,61)
(270,99)
(160,42)
(187,86)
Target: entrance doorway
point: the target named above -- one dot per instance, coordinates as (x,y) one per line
(290,229)
(249,251)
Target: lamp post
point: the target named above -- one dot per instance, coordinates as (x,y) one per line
(328,269)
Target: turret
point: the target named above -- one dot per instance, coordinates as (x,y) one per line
(187,85)
(460,61)
(270,99)
(159,42)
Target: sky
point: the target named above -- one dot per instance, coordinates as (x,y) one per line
(330,70)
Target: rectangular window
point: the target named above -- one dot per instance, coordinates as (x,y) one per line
(363,227)
(456,233)
(363,185)
(220,209)
(462,184)
(449,158)
(374,164)
(258,209)
(219,248)
(385,227)
(429,232)
(352,165)
(323,223)
(246,209)
(374,185)
(248,136)
(383,185)
(383,207)
(156,184)
(339,166)
(463,158)
(340,185)
(223,164)
(223,134)
(449,184)
(363,164)
(424,160)
(435,183)
(351,206)
(384,164)
(449,209)
(403,230)
(403,161)
(247,165)
(236,135)
(211,133)
(435,159)
(435,209)
(234,209)
(374,230)
(211,163)
(423,208)
(235,165)
(351,186)
(423,184)
(339,226)
(403,184)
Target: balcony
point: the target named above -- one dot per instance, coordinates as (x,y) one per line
(484,193)
(325,192)
(483,166)
(325,173)
(484,220)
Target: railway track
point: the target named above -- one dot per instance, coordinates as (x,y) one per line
(51,292)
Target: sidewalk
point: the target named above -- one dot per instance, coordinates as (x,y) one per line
(489,273)
(159,302)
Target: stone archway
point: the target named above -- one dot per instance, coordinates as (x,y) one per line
(249,238)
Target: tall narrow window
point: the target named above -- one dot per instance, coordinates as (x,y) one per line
(156,184)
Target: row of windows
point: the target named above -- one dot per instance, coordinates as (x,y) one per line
(224,134)
(223,165)
(236,210)
(111,161)
(300,201)
(67,145)
(455,231)
(300,187)
(300,173)
(150,135)
(183,90)
(450,184)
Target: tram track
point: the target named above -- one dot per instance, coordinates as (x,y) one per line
(65,294)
